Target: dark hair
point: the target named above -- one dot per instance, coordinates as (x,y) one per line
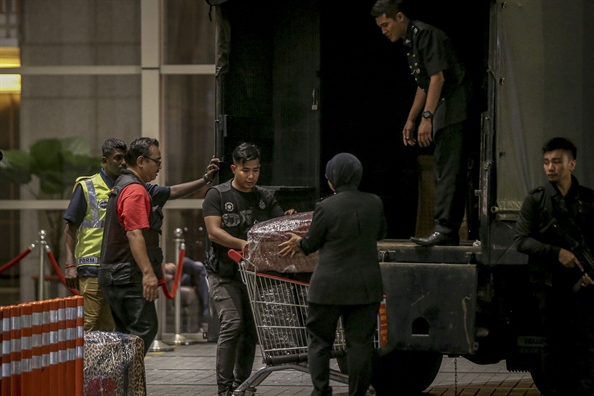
(245,152)
(560,143)
(388,7)
(140,147)
(110,145)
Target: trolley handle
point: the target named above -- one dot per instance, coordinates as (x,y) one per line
(235,255)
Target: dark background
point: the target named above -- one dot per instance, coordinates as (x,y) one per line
(365,91)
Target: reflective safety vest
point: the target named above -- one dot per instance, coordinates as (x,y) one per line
(90,231)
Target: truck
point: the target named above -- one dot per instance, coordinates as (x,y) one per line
(308,79)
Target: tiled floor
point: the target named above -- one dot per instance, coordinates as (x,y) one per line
(189,371)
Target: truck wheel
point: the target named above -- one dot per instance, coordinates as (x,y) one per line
(539,378)
(405,371)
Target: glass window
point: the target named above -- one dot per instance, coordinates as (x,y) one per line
(188,126)
(92,32)
(189,33)
(96,107)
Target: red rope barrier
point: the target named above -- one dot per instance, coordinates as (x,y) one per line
(176,279)
(169,294)
(15,260)
(58,271)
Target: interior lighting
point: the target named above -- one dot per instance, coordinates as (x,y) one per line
(10,57)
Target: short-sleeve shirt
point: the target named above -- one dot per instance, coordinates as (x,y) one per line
(430,51)
(77,208)
(134,207)
(246,202)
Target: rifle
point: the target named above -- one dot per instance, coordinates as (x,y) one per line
(580,250)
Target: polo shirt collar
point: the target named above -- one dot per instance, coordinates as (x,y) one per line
(108,180)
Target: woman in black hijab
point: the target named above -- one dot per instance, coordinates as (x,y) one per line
(347,280)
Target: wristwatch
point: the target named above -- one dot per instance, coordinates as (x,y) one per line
(206,179)
(427,114)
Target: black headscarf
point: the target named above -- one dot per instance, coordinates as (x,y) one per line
(344,169)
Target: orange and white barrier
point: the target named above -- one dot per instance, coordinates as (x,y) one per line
(382,324)
(42,348)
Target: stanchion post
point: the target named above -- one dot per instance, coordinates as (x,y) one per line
(157,345)
(41,282)
(179,241)
(178,338)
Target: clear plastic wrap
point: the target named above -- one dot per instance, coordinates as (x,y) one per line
(114,364)
(263,240)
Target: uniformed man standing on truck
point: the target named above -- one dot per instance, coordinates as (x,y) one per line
(442,99)
(551,218)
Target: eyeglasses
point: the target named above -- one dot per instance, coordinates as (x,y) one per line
(158,162)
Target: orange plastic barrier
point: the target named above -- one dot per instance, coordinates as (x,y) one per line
(70,343)
(382,323)
(54,380)
(80,346)
(5,386)
(43,348)
(36,341)
(26,350)
(15,350)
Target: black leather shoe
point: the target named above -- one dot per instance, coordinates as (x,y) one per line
(437,239)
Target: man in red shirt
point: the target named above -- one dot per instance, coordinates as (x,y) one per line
(130,254)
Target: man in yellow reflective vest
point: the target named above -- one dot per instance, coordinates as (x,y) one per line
(83,233)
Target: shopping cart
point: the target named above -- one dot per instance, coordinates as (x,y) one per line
(279,306)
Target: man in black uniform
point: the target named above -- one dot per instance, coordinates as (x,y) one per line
(230,210)
(443,89)
(564,293)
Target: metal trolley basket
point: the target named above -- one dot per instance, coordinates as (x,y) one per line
(279,306)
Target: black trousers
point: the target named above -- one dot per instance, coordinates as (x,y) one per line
(450,177)
(236,346)
(132,313)
(359,322)
(568,355)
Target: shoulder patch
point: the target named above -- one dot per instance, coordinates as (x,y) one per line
(537,189)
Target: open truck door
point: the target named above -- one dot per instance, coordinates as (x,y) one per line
(305,80)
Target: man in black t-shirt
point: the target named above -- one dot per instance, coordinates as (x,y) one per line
(230,210)
(442,99)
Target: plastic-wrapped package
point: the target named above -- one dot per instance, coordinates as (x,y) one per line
(114,364)
(263,240)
